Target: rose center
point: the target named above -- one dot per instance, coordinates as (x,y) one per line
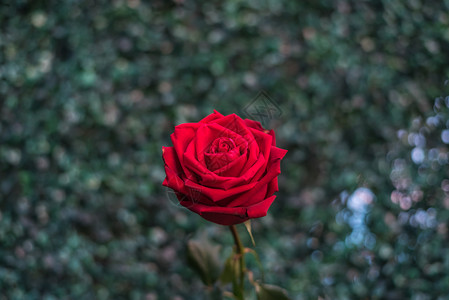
(222,145)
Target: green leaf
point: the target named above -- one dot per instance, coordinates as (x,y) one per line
(216,294)
(228,272)
(271,292)
(248,228)
(259,262)
(231,269)
(203,257)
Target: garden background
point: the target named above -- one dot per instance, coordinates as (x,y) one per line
(91,90)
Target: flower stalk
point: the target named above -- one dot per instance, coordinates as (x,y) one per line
(239,286)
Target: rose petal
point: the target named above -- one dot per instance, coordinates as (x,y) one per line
(210,180)
(213,116)
(264,142)
(236,124)
(183,192)
(173,170)
(170,158)
(272,186)
(232,168)
(223,161)
(230,215)
(181,138)
(206,135)
(220,215)
(259,191)
(217,194)
(254,124)
(175,178)
(271,132)
(260,209)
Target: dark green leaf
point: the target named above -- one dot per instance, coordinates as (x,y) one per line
(271,292)
(259,262)
(203,257)
(216,294)
(231,269)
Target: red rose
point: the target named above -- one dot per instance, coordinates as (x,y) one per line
(223,168)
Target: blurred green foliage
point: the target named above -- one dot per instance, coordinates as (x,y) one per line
(91,90)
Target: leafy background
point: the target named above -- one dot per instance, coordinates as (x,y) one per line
(91,90)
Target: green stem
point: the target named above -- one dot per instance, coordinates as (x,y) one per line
(239,288)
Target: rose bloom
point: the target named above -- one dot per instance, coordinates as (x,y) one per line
(223,168)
